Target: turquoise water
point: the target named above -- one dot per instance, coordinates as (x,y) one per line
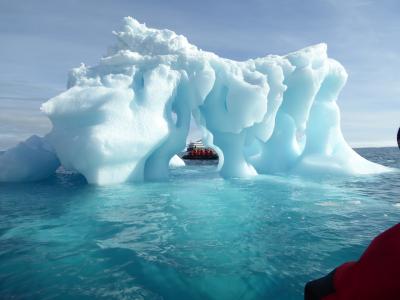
(196,236)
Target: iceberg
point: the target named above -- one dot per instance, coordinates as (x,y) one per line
(176,162)
(126,118)
(31,160)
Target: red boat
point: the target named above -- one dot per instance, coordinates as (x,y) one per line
(196,150)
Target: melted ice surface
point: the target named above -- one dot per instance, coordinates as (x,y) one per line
(125,118)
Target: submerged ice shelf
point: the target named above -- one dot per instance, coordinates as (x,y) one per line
(125,118)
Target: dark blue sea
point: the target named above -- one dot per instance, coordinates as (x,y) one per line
(196,236)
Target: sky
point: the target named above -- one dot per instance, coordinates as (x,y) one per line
(40,41)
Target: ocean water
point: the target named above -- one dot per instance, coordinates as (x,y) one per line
(196,236)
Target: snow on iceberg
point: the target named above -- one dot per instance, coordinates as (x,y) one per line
(124,119)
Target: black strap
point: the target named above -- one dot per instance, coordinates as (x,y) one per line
(320,288)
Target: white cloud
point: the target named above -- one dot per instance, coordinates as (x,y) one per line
(372,129)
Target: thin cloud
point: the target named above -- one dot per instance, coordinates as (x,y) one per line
(42,40)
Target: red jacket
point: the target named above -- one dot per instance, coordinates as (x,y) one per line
(376,275)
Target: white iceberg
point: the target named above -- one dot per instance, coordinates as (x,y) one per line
(125,118)
(176,162)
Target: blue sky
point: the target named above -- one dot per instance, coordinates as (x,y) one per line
(42,40)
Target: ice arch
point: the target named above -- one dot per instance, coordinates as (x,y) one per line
(125,118)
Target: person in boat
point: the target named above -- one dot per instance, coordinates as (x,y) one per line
(375,276)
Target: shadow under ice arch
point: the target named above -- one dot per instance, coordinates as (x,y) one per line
(115,121)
